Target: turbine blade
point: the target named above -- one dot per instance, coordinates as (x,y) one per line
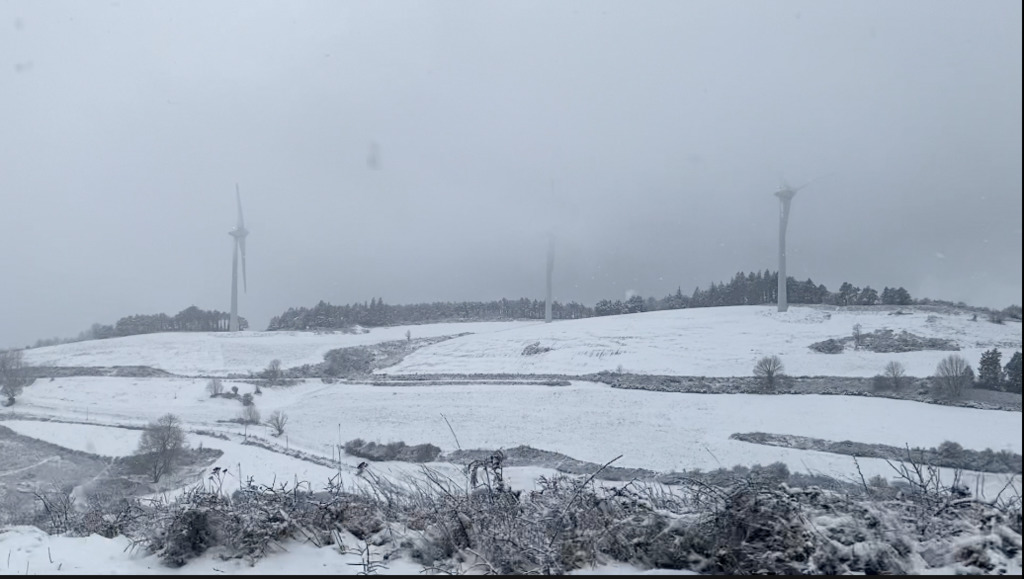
(238,197)
(241,247)
(816,179)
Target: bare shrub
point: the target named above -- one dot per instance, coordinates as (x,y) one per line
(879,383)
(829,346)
(273,374)
(1012,312)
(13,375)
(895,374)
(953,375)
(392,451)
(534,349)
(161,444)
(858,336)
(215,387)
(249,415)
(348,362)
(751,520)
(277,422)
(58,504)
(247,399)
(769,369)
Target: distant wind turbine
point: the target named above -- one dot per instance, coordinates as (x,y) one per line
(239,233)
(785,195)
(551,270)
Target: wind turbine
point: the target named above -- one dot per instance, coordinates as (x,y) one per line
(784,195)
(551,269)
(239,233)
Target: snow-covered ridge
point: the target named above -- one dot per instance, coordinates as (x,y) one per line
(222,353)
(724,341)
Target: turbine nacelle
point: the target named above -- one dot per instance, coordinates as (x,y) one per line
(786,192)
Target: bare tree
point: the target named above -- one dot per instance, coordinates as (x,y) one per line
(161,444)
(769,370)
(13,375)
(215,387)
(249,415)
(895,374)
(953,375)
(277,421)
(273,373)
(858,336)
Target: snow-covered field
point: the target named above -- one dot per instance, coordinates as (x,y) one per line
(587,421)
(222,353)
(710,342)
(594,422)
(696,342)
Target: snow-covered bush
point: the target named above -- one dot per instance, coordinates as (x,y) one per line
(277,422)
(249,415)
(392,451)
(769,370)
(741,521)
(161,444)
(953,375)
(215,387)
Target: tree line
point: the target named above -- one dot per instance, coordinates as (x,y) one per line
(190,319)
(754,288)
(378,313)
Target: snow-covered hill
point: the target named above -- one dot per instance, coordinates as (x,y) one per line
(662,431)
(222,353)
(723,341)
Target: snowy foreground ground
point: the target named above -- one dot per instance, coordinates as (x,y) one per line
(587,421)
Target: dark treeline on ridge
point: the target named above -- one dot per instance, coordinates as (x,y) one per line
(190,319)
(755,288)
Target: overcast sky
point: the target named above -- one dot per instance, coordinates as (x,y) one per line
(420,151)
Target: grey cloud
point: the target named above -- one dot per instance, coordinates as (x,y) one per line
(648,135)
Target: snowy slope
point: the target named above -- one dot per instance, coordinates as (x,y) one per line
(723,341)
(221,353)
(594,422)
(588,421)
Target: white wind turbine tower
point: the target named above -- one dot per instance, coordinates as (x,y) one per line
(551,270)
(239,233)
(785,195)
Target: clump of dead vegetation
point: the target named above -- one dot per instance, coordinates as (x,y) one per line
(949,454)
(753,521)
(883,341)
(392,451)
